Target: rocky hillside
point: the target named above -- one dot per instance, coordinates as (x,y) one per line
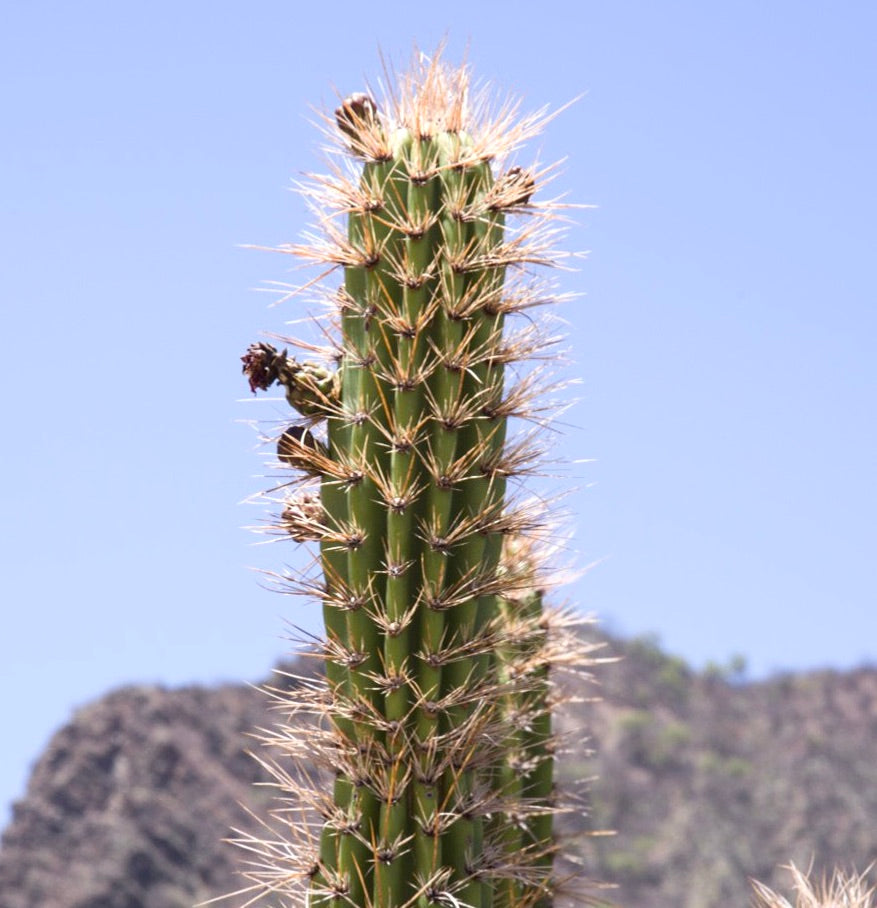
(707,780)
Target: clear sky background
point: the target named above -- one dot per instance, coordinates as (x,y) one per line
(725,345)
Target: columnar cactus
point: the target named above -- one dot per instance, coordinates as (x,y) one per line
(434,720)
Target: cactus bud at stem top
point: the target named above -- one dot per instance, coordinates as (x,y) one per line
(357,118)
(434,723)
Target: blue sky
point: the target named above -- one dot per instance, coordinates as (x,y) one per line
(725,344)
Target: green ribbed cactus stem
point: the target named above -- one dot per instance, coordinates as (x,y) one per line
(434,720)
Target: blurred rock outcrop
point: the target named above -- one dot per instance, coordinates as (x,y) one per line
(708,781)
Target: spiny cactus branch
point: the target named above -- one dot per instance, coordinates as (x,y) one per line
(433,729)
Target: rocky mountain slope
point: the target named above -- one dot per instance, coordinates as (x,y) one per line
(707,781)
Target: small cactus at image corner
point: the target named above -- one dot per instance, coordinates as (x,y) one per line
(841,889)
